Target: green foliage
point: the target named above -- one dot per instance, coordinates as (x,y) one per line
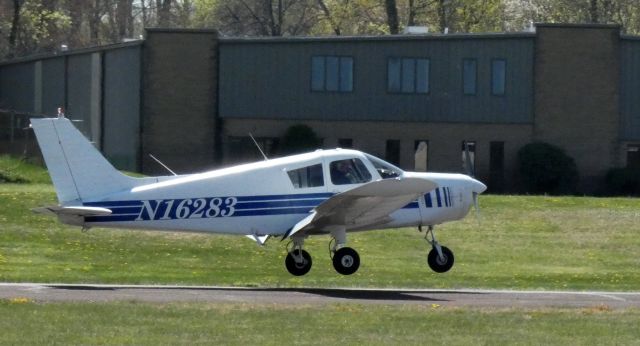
(545,168)
(299,139)
(40,26)
(623,182)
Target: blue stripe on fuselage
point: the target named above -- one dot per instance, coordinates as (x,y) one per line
(131,210)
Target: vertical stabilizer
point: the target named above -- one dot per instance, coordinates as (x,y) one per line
(78,171)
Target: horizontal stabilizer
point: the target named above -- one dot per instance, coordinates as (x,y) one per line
(72,211)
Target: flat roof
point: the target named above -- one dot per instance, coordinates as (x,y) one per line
(403,37)
(51,55)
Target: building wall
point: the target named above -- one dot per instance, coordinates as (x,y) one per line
(179,102)
(630,89)
(17,89)
(577,92)
(53,85)
(121,105)
(100,88)
(271,79)
(444,140)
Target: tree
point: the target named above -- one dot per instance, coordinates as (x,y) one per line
(392,16)
(545,168)
(266,17)
(299,139)
(15,22)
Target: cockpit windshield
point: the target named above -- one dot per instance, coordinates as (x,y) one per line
(385,169)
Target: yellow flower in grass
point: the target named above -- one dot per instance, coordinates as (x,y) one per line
(20,300)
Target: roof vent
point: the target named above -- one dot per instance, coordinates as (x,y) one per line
(416,30)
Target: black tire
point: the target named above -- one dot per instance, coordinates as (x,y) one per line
(437,264)
(298,269)
(346,261)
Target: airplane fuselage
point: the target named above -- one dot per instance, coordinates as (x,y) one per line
(259,198)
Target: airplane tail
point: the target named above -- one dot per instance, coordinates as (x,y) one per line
(78,171)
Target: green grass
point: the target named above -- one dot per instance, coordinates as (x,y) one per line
(521,243)
(246,324)
(21,171)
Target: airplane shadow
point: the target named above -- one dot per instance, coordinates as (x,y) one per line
(355,294)
(348,294)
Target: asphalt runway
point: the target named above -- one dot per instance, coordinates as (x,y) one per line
(293,296)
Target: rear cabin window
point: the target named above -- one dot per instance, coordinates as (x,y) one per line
(349,171)
(310,176)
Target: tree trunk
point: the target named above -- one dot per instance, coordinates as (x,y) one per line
(334,26)
(392,16)
(164,12)
(442,15)
(593,11)
(411,15)
(124,19)
(94,22)
(15,22)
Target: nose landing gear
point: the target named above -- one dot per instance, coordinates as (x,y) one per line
(440,258)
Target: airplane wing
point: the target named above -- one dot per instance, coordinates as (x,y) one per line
(365,205)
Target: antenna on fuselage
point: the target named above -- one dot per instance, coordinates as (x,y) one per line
(258,146)
(163,165)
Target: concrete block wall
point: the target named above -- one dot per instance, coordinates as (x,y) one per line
(577,81)
(179,99)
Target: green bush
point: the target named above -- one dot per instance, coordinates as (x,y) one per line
(623,181)
(299,139)
(545,168)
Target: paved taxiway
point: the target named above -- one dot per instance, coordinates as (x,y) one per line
(475,298)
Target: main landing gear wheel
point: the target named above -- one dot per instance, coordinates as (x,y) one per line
(346,261)
(438,264)
(301,266)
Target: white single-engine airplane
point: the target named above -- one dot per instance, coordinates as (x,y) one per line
(322,192)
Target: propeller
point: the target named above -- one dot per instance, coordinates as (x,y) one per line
(469,166)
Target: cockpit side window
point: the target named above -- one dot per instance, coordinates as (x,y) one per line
(349,171)
(385,169)
(310,176)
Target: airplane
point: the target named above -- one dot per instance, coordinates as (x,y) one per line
(323,192)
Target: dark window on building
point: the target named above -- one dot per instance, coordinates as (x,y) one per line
(469,76)
(305,177)
(392,153)
(332,73)
(498,76)
(345,143)
(408,75)
(349,171)
(633,155)
(421,155)
(468,148)
(496,166)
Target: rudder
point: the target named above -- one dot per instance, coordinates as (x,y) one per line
(78,170)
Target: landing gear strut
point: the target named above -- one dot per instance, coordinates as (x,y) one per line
(440,258)
(346,260)
(298,261)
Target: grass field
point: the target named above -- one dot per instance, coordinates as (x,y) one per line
(346,324)
(521,242)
